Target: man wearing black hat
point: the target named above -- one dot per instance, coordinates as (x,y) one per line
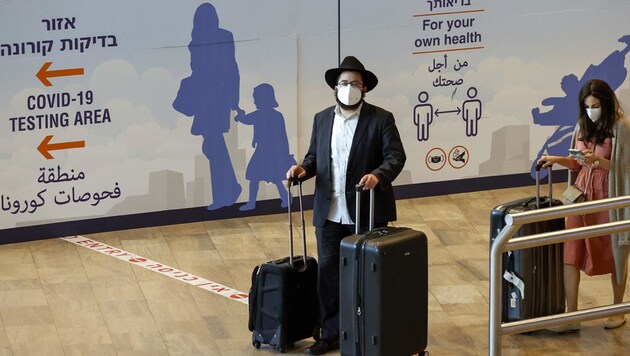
(352,143)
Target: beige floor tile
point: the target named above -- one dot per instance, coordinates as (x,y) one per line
(166,314)
(188,338)
(442,212)
(62,274)
(56,258)
(183,230)
(98,265)
(43,334)
(227,326)
(23,298)
(166,291)
(90,349)
(128,317)
(138,341)
(456,294)
(197,262)
(38,348)
(79,337)
(4,340)
(236,244)
(20,284)
(14,256)
(108,289)
(161,352)
(77,315)
(187,243)
(27,315)
(210,304)
(440,275)
(156,250)
(18,272)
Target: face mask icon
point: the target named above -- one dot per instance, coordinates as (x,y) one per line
(436,159)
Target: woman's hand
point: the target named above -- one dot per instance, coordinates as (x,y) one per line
(567,162)
(590,157)
(596,160)
(547,161)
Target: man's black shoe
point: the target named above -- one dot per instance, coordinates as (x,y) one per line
(322,346)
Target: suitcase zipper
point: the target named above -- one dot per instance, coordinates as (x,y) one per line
(359,288)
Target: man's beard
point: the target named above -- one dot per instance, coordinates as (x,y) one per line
(349,107)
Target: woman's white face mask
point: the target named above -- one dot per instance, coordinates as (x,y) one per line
(348,95)
(594,113)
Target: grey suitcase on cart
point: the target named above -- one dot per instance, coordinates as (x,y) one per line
(536,283)
(383,290)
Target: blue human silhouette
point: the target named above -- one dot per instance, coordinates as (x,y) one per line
(271,159)
(564,111)
(471,112)
(423,116)
(209,95)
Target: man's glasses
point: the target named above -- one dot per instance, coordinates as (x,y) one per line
(354,84)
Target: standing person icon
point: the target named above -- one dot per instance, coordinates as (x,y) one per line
(423,116)
(471,112)
(271,159)
(209,95)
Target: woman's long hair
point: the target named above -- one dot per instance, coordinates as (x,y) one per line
(601,129)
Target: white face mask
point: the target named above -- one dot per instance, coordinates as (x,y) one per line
(594,113)
(349,95)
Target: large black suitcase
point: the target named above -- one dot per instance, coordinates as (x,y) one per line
(283,305)
(533,282)
(383,291)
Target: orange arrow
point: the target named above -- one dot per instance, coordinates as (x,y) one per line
(43,74)
(44,147)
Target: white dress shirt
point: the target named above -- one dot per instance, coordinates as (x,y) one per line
(341,142)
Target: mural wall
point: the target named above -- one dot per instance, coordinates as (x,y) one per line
(130,107)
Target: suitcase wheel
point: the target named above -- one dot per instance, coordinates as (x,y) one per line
(256,344)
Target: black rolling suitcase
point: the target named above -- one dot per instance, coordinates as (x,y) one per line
(533,282)
(383,291)
(283,298)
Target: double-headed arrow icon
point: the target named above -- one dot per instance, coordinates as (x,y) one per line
(46,146)
(43,74)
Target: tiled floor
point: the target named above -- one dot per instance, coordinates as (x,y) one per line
(57,298)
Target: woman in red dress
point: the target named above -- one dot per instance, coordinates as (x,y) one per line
(601,136)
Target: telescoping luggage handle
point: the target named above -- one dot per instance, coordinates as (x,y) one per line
(538,167)
(299,184)
(357,215)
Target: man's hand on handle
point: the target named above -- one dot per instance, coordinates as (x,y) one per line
(369,181)
(296,172)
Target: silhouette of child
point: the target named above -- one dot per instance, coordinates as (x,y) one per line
(271,159)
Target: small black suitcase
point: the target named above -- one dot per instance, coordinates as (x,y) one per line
(383,291)
(283,305)
(533,280)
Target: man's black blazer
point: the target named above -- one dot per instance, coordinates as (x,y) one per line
(376,148)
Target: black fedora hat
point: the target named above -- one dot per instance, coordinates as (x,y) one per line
(350,63)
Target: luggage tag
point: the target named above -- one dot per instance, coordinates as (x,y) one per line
(517,282)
